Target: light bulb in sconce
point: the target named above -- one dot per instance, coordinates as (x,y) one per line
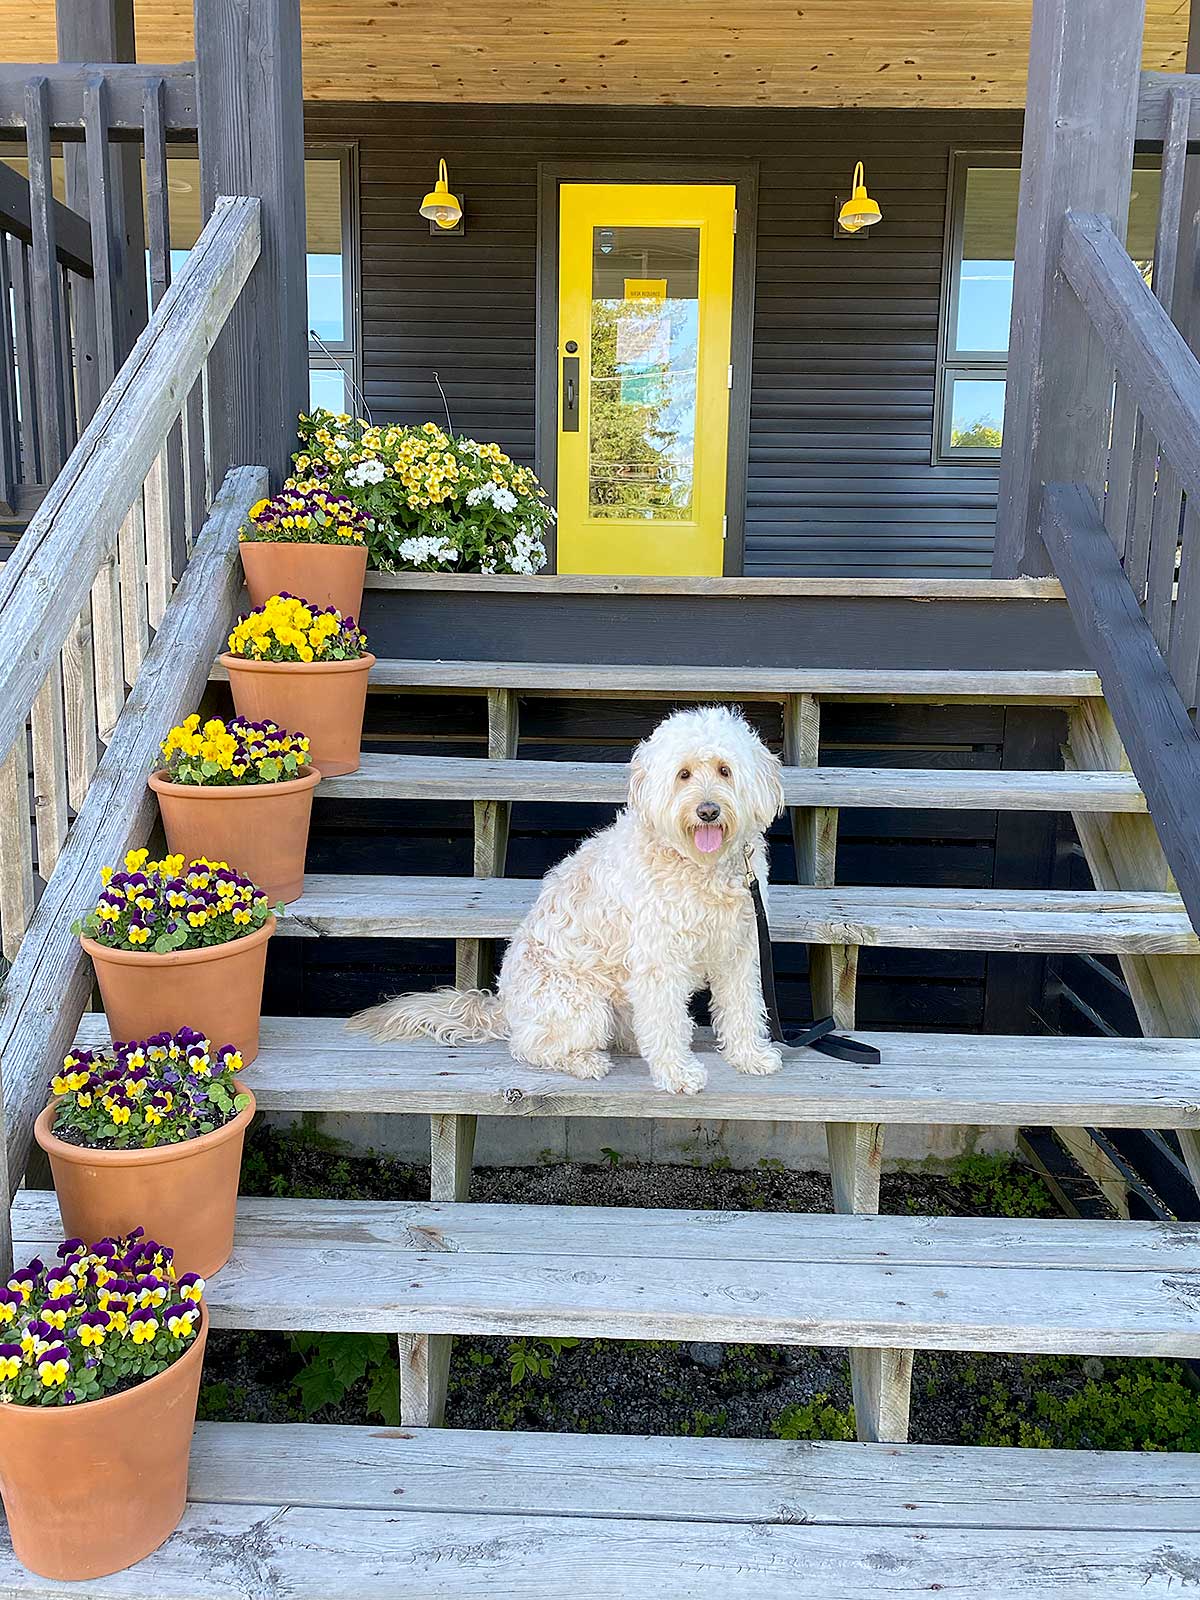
(441,207)
(860,211)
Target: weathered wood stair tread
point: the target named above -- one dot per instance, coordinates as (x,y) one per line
(952,1283)
(330,1513)
(316,1064)
(400,777)
(920,919)
(601,679)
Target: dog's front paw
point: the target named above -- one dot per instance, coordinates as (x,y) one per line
(683,1077)
(759,1062)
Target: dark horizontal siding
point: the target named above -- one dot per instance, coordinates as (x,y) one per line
(845,334)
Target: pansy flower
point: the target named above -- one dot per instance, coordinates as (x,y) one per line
(93,1328)
(11,1361)
(182,1320)
(11,1301)
(191,1286)
(143,1326)
(54,1366)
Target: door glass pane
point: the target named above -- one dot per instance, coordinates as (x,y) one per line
(976,413)
(645,339)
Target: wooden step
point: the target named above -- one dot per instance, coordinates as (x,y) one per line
(330,1513)
(917,919)
(602,680)
(316,1064)
(948,1283)
(398,777)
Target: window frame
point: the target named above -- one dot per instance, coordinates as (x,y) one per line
(344,354)
(953,363)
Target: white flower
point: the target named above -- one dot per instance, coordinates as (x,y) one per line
(425,548)
(371,470)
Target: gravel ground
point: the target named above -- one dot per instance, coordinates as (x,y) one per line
(662,1387)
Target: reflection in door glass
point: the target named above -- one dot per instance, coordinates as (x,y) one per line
(645,338)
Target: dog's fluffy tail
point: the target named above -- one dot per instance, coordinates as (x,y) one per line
(451,1016)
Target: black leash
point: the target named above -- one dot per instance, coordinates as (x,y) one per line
(818,1035)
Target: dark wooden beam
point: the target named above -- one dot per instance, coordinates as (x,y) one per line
(74,237)
(1077,152)
(1162,745)
(127,83)
(251,127)
(1152,99)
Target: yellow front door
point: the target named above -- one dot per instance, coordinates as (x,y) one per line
(645,299)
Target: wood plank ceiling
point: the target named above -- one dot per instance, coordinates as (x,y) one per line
(643,52)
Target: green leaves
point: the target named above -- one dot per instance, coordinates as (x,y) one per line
(534,1358)
(336,1362)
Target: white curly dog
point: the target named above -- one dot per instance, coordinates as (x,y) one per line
(640,917)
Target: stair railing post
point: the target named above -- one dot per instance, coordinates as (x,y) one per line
(250,117)
(1077,154)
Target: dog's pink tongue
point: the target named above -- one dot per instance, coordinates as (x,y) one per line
(709,839)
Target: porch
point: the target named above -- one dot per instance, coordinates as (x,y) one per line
(941,728)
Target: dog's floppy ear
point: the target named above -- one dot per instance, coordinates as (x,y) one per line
(638,778)
(766,789)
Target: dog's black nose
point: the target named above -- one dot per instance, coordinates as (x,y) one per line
(708,811)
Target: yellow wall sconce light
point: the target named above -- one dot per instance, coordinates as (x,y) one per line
(443,209)
(858,213)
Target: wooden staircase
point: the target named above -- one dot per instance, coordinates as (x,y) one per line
(323,1511)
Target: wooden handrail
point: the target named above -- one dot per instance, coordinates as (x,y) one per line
(48,987)
(46,583)
(1146,347)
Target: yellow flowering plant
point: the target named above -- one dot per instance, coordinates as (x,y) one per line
(305,516)
(160,906)
(235,752)
(288,629)
(94,1321)
(438,502)
(147,1092)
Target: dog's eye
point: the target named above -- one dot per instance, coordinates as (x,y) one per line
(684,774)
(723,770)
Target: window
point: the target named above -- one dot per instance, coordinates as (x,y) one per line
(980,245)
(331,257)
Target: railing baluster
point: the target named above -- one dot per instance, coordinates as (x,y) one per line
(197,489)
(131,558)
(106,247)
(16,848)
(107,649)
(1184,651)
(27,383)
(79,700)
(46,282)
(10,436)
(1164,554)
(1119,489)
(1141,509)
(49,771)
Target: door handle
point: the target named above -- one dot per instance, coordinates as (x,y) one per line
(570,394)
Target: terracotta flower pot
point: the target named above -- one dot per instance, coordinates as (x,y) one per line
(90,1489)
(322,574)
(183,1193)
(259,828)
(217,989)
(324,699)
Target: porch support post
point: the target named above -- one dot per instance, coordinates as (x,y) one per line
(250,111)
(1077,154)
